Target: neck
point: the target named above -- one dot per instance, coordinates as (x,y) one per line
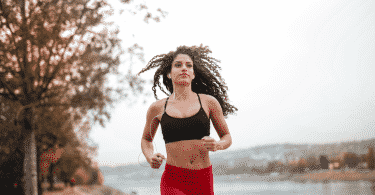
(182,92)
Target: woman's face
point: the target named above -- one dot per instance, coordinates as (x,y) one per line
(182,69)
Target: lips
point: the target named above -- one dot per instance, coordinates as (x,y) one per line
(184,74)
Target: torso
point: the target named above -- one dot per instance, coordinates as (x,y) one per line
(188,154)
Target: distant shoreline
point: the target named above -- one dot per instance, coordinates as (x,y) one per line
(349,175)
(313,177)
(321,177)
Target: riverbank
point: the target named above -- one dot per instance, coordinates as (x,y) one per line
(313,177)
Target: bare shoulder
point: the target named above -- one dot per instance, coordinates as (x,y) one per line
(209,99)
(155,109)
(212,103)
(159,104)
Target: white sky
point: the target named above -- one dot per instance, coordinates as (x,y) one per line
(298,71)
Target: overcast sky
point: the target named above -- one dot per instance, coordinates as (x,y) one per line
(298,71)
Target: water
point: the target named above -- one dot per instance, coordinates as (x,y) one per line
(263,188)
(239,187)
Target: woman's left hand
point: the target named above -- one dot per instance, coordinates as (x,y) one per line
(210,143)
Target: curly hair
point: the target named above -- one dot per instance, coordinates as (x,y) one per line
(207,78)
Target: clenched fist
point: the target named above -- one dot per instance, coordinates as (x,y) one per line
(156,160)
(210,144)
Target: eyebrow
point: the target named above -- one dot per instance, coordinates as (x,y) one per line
(181,62)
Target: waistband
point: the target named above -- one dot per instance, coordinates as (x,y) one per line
(171,167)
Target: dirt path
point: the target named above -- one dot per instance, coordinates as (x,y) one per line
(87,190)
(67,190)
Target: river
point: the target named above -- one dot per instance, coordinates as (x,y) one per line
(240,187)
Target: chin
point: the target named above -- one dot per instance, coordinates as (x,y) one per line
(183,83)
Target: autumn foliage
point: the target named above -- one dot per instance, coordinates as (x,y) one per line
(371,159)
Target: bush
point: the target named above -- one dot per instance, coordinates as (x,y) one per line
(371,159)
(351,160)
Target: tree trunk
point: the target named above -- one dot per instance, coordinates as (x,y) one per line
(30,172)
(39,172)
(51,176)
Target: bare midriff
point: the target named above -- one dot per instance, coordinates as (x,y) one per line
(188,154)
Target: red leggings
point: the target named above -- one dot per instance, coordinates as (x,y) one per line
(182,181)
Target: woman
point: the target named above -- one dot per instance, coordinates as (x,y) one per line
(197,97)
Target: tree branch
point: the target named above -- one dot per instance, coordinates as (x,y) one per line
(11,37)
(39,104)
(48,65)
(8,88)
(49,79)
(53,45)
(10,70)
(27,83)
(36,6)
(7,96)
(38,69)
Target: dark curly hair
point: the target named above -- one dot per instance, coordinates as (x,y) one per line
(205,70)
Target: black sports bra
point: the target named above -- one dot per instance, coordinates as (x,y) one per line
(190,128)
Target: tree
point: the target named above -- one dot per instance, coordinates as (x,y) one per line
(371,158)
(47,141)
(362,158)
(351,159)
(94,176)
(274,166)
(67,165)
(75,148)
(312,163)
(301,166)
(52,54)
(293,166)
(66,169)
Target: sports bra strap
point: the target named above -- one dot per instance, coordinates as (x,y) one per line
(165,105)
(200,101)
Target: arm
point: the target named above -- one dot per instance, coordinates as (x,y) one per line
(225,142)
(148,133)
(147,149)
(218,121)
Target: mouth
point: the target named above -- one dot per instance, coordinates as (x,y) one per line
(184,74)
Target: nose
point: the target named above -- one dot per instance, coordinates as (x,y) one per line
(184,65)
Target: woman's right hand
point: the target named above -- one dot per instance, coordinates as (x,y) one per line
(156,160)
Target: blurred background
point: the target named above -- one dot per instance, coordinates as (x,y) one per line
(298,72)
(301,74)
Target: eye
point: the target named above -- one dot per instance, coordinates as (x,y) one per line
(179,64)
